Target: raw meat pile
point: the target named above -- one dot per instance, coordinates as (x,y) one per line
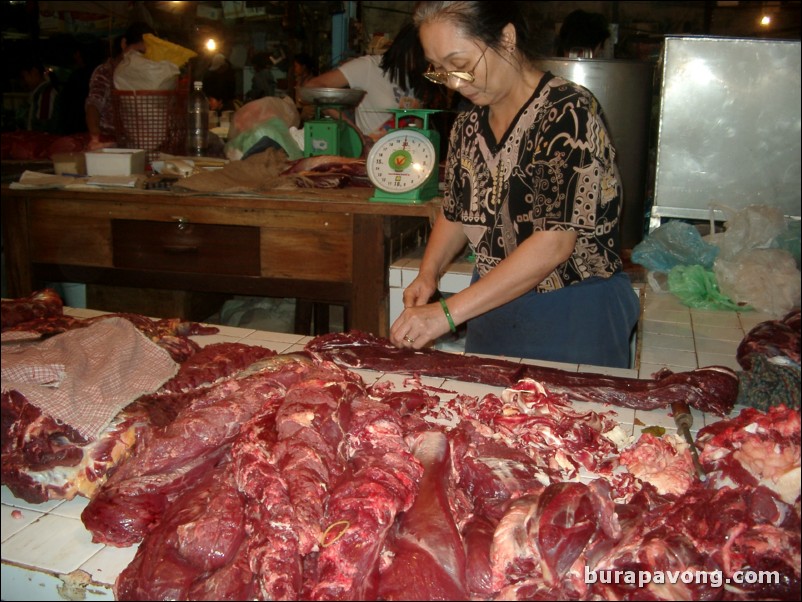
(327,171)
(252,475)
(301,482)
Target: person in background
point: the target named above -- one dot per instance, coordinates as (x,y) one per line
(388,79)
(532,185)
(582,35)
(99,106)
(304,68)
(263,83)
(42,100)
(220,84)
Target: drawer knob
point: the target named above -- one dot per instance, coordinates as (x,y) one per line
(183,223)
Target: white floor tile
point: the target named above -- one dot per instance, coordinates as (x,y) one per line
(704,346)
(54,543)
(715,359)
(703,331)
(667,328)
(722,319)
(15,520)
(667,315)
(653,340)
(109,562)
(673,357)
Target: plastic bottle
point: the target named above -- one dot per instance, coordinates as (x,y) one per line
(198,121)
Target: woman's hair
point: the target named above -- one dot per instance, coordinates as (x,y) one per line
(482,21)
(582,29)
(307,61)
(403,61)
(135,31)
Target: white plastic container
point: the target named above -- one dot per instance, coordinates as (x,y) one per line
(115,162)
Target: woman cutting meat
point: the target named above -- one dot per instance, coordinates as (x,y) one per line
(533,187)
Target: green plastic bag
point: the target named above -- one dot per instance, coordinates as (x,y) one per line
(697,287)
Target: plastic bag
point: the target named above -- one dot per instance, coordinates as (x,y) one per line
(135,72)
(274,128)
(791,240)
(157,49)
(673,244)
(754,227)
(766,279)
(697,287)
(258,111)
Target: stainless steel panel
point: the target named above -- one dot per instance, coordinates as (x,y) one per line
(624,90)
(729,125)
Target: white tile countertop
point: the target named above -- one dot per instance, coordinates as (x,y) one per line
(47,554)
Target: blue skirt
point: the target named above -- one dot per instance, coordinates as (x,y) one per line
(587,323)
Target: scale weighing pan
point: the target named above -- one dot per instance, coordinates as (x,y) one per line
(347,97)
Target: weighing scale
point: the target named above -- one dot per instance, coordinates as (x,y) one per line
(403,164)
(327,135)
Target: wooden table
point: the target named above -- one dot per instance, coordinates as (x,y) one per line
(325,246)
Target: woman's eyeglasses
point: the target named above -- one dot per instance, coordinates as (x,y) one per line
(444,77)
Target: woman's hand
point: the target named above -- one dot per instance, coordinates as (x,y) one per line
(418,326)
(419,323)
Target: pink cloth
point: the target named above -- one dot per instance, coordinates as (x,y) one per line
(84,377)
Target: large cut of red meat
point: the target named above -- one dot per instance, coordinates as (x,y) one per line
(40,304)
(773,338)
(427,551)
(167,461)
(712,389)
(44,459)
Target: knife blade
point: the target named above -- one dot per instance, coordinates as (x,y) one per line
(684,421)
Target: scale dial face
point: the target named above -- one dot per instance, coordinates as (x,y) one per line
(401,161)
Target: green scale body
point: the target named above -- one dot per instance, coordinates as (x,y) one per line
(403,164)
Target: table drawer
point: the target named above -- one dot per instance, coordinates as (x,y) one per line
(185,247)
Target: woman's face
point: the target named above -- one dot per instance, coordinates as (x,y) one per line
(447,49)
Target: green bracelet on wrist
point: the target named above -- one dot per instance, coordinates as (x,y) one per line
(451,324)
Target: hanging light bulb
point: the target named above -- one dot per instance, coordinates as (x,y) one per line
(765,20)
(211,45)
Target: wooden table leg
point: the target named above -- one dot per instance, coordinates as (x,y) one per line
(16,250)
(368,309)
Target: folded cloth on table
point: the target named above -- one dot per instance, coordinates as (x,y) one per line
(84,377)
(258,173)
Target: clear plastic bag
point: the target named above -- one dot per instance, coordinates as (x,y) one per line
(753,227)
(135,72)
(766,279)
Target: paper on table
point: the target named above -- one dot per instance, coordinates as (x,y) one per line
(108,182)
(38,180)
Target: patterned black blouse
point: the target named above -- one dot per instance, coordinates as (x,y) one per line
(554,169)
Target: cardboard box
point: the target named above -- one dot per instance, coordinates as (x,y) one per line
(115,162)
(69,163)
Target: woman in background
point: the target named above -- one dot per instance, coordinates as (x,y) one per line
(99,106)
(388,79)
